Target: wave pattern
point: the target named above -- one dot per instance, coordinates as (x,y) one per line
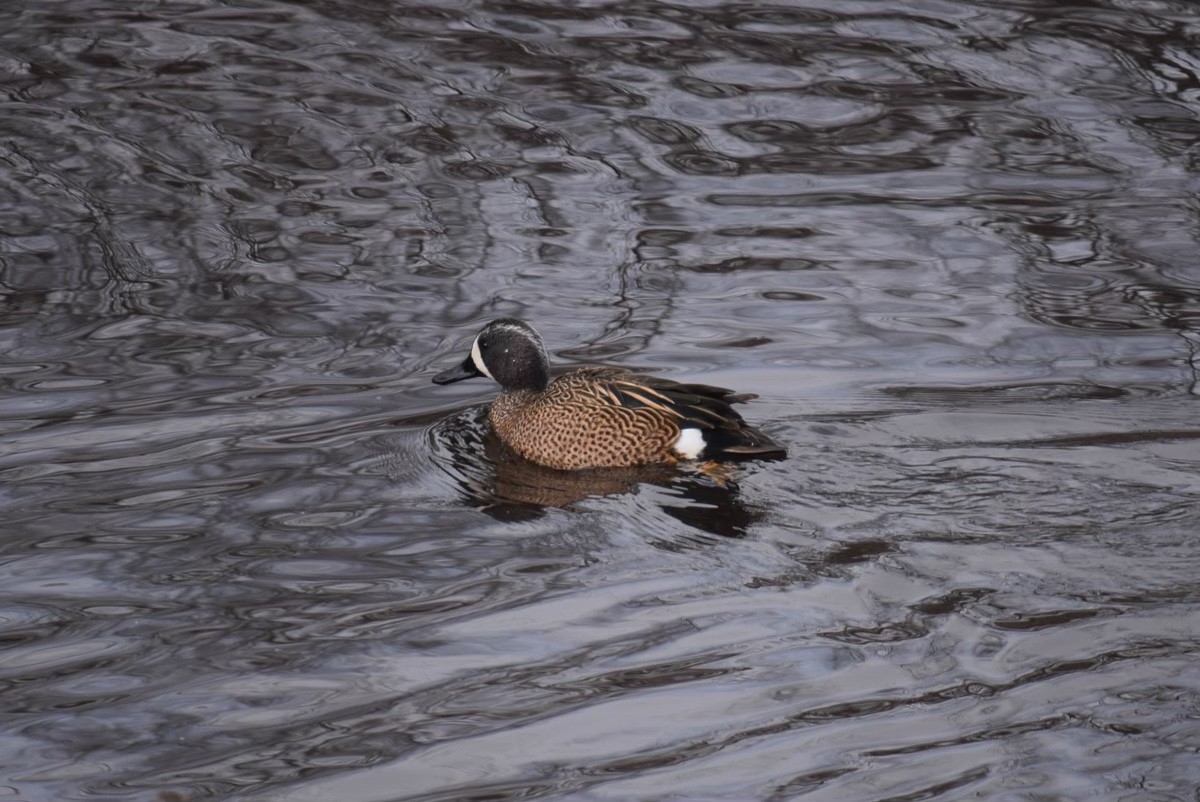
(250,553)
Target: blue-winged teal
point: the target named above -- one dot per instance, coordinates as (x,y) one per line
(601,417)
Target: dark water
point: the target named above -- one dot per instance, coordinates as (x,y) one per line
(249,552)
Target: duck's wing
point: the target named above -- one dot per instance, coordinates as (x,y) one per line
(691,406)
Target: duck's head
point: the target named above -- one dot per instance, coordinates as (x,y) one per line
(509,352)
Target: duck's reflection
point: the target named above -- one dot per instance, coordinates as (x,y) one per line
(509,488)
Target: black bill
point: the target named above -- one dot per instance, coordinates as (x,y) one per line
(466,370)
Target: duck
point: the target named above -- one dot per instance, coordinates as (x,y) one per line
(602,417)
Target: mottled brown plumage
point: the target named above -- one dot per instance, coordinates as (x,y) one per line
(601,417)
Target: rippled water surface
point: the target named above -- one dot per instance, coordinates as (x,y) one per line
(250,552)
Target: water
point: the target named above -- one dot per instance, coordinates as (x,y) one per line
(251,553)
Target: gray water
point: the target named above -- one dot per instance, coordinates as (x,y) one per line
(250,552)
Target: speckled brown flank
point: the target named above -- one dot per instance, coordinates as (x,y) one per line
(579,422)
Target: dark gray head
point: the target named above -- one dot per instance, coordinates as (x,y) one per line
(507,351)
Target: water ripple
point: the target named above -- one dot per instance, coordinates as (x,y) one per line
(252,553)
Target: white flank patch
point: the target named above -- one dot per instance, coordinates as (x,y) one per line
(690,443)
(477,358)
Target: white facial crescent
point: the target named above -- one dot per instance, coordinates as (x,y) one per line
(477,358)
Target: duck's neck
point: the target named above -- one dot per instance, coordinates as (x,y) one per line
(528,379)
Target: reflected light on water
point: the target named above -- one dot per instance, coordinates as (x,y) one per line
(250,553)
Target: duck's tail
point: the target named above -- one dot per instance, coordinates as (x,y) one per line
(742,442)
